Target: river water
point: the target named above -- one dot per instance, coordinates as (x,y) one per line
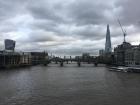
(68,85)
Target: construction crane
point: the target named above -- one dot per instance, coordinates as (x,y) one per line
(123,30)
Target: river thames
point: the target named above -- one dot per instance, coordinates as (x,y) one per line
(68,85)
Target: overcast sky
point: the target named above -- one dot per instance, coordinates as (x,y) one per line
(67,27)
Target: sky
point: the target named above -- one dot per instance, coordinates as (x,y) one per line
(68,27)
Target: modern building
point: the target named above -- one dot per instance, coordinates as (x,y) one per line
(9,45)
(108,48)
(105,56)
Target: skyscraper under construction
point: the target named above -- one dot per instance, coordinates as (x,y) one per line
(108,48)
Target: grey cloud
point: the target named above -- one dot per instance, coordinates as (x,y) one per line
(81,13)
(10,8)
(130,12)
(67,27)
(84,12)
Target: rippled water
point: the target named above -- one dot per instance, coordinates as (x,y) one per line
(69,85)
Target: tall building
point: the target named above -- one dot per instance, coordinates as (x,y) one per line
(9,45)
(108,48)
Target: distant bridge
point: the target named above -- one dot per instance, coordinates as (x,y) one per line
(62,61)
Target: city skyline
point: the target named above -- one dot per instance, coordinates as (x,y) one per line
(68,27)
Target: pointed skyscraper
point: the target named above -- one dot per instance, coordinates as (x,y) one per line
(108,48)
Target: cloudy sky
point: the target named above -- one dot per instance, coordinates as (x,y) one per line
(67,27)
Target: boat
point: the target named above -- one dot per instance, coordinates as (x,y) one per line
(125,69)
(119,69)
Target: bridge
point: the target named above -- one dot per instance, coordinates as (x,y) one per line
(78,60)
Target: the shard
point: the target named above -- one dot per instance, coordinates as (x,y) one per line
(108,48)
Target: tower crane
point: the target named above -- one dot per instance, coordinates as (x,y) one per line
(123,30)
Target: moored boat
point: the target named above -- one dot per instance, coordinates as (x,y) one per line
(125,69)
